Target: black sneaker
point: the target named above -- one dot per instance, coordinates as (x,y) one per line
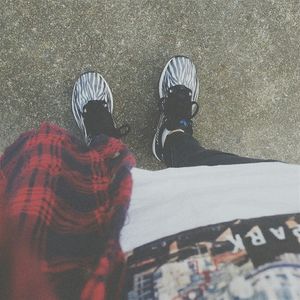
(92,106)
(178,92)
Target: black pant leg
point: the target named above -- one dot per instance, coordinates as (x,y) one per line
(183,150)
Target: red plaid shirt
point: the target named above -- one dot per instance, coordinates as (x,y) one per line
(67,204)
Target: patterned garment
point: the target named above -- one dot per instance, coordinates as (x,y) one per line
(68,202)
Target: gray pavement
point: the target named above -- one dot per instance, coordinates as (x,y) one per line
(246,51)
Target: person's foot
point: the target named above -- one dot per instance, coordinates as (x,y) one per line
(178,92)
(92,106)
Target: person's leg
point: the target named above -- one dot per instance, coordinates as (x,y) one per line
(173,142)
(183,150)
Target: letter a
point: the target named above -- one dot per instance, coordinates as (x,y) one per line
(257,238)
(279,233)
(296,231)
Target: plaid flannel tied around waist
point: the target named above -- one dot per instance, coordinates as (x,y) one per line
(69,202)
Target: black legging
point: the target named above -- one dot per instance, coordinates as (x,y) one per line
(183,150)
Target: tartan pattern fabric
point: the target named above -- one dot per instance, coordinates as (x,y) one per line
(69,202)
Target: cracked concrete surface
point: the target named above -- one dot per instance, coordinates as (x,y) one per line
(246,51)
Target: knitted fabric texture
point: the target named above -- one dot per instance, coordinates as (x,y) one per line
(67,203)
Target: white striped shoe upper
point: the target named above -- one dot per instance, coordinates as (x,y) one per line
(179,70)
(89,86)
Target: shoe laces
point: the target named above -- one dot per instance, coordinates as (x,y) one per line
(97,119)
(178,107)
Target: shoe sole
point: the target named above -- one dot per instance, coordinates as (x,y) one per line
(154,139)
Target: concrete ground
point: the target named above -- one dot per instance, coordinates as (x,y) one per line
(246,51)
